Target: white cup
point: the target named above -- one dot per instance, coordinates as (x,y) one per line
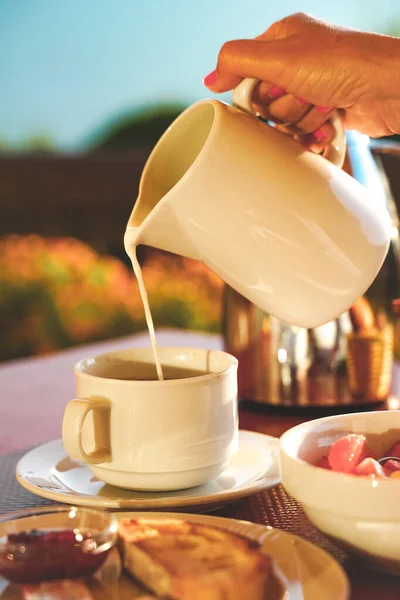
(146,434)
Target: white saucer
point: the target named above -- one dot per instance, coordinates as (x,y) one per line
(47,471)
(301,570)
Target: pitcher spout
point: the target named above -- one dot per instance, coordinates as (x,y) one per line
(160,228)
(163,213)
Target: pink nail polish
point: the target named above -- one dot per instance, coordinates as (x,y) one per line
(210,79)
(301,101)
(324,109)
(319,135)
(276,92)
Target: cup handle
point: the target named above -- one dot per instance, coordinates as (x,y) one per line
(335,151)
(74,417)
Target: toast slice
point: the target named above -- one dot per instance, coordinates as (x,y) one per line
(189,561)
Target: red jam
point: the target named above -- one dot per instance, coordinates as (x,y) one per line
(41,555)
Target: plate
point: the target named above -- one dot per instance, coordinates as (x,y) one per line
(48,472)
(302,571)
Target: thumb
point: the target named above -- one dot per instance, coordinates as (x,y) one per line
(261,59)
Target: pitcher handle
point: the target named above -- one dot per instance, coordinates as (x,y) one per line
(335,151)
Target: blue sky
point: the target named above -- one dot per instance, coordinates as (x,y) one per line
(67,67)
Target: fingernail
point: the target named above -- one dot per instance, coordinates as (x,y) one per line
(323,109)
(301,101)
(276,92)
(210,79)
(319,135)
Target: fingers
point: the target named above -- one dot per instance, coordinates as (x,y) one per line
(308,124)
(274,65)
(225,76)
(287,109)
(318,139)
(250,58)
(297,116)
(273,103)
(272,56)
(282,58)
(264,93)
(221,84)
(314,119)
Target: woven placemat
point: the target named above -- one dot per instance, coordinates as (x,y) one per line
(277,509)
(12,495)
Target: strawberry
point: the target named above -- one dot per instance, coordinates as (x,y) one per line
(369,466)
(348,452)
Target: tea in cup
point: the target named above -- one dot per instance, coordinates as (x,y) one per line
(137,432)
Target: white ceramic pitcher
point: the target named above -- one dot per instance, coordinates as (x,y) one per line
(286,228)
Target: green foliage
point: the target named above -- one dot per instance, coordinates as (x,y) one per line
(40,142)
(4,145)
(138,130)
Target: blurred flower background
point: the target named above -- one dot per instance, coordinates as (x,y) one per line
(87,88)
(59,292)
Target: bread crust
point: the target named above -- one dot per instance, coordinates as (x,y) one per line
(183,560)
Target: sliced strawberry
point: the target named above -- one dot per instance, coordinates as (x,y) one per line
(392,465)
(348,452)
(370,466)
(394,450)
(323,462)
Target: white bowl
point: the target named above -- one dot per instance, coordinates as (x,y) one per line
(360,514)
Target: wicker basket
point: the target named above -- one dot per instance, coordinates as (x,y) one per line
(369,364)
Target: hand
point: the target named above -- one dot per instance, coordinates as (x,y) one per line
(309,68)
